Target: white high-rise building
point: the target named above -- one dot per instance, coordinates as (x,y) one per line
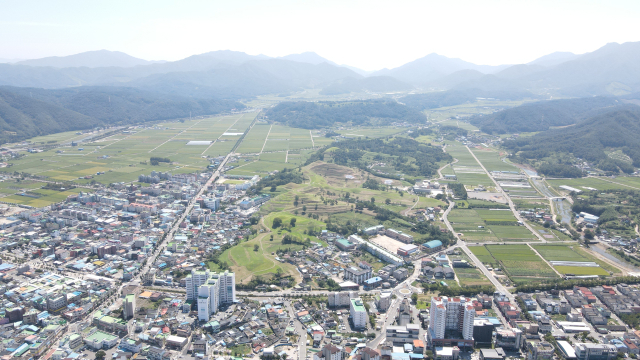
(194,281)
(358,313)
(227,287)
(211,290)
(451,314)
(208,299)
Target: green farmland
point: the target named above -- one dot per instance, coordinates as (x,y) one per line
(519,262)
(124,156)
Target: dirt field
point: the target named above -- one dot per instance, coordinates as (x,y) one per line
(337,175)
(489,196)
(392,245)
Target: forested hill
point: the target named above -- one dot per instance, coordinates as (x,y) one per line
(22,117)
(28,112)
(540,116)
(126,105)
(618,129)
(314,115)
(461,96)
(372,83)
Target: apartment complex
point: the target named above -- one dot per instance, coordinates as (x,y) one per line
(450,314)
(211,290)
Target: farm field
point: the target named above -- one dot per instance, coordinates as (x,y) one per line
(579,270)
(491,159)
(124,156)
(512,233)
(591,182)
(503,215)
(482,254)
(253,142)
(519,262)
(471,225)
(372,132)
(627,180)
(574,253)
(31,193)
(469,276)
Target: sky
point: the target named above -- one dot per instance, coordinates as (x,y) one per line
(369,34)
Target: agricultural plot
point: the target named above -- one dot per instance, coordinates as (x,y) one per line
(126,155)
(253,142)
(471,225)
(482,254)
(632,181)
(469,276)
(590,182)
(574,253)
(492,160)
(372,132)
(471,180)
(512,233)
(520,263)
(496,215)
(28,192)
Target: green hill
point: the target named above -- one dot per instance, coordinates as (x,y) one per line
(29,112)
(22,117)
(617,129)
(542,115)
(314,115)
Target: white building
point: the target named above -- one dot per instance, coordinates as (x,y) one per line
(358,314)
(211,291)
(212,203)
(129,306)
(595,351)
(451,314)
(341,298)
(384,301)
(208,299)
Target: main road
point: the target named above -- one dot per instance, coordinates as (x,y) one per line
(177,223)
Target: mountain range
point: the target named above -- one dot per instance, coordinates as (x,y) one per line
(613,69)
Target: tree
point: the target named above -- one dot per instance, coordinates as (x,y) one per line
(271,237)
(414,298)
(100,354)
(277,222)
(256,247)
(293,222)
(387,201)
(373,200)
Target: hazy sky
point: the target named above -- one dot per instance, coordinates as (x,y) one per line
(367,34)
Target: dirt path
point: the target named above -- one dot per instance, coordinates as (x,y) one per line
(442,168)
(265,139)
